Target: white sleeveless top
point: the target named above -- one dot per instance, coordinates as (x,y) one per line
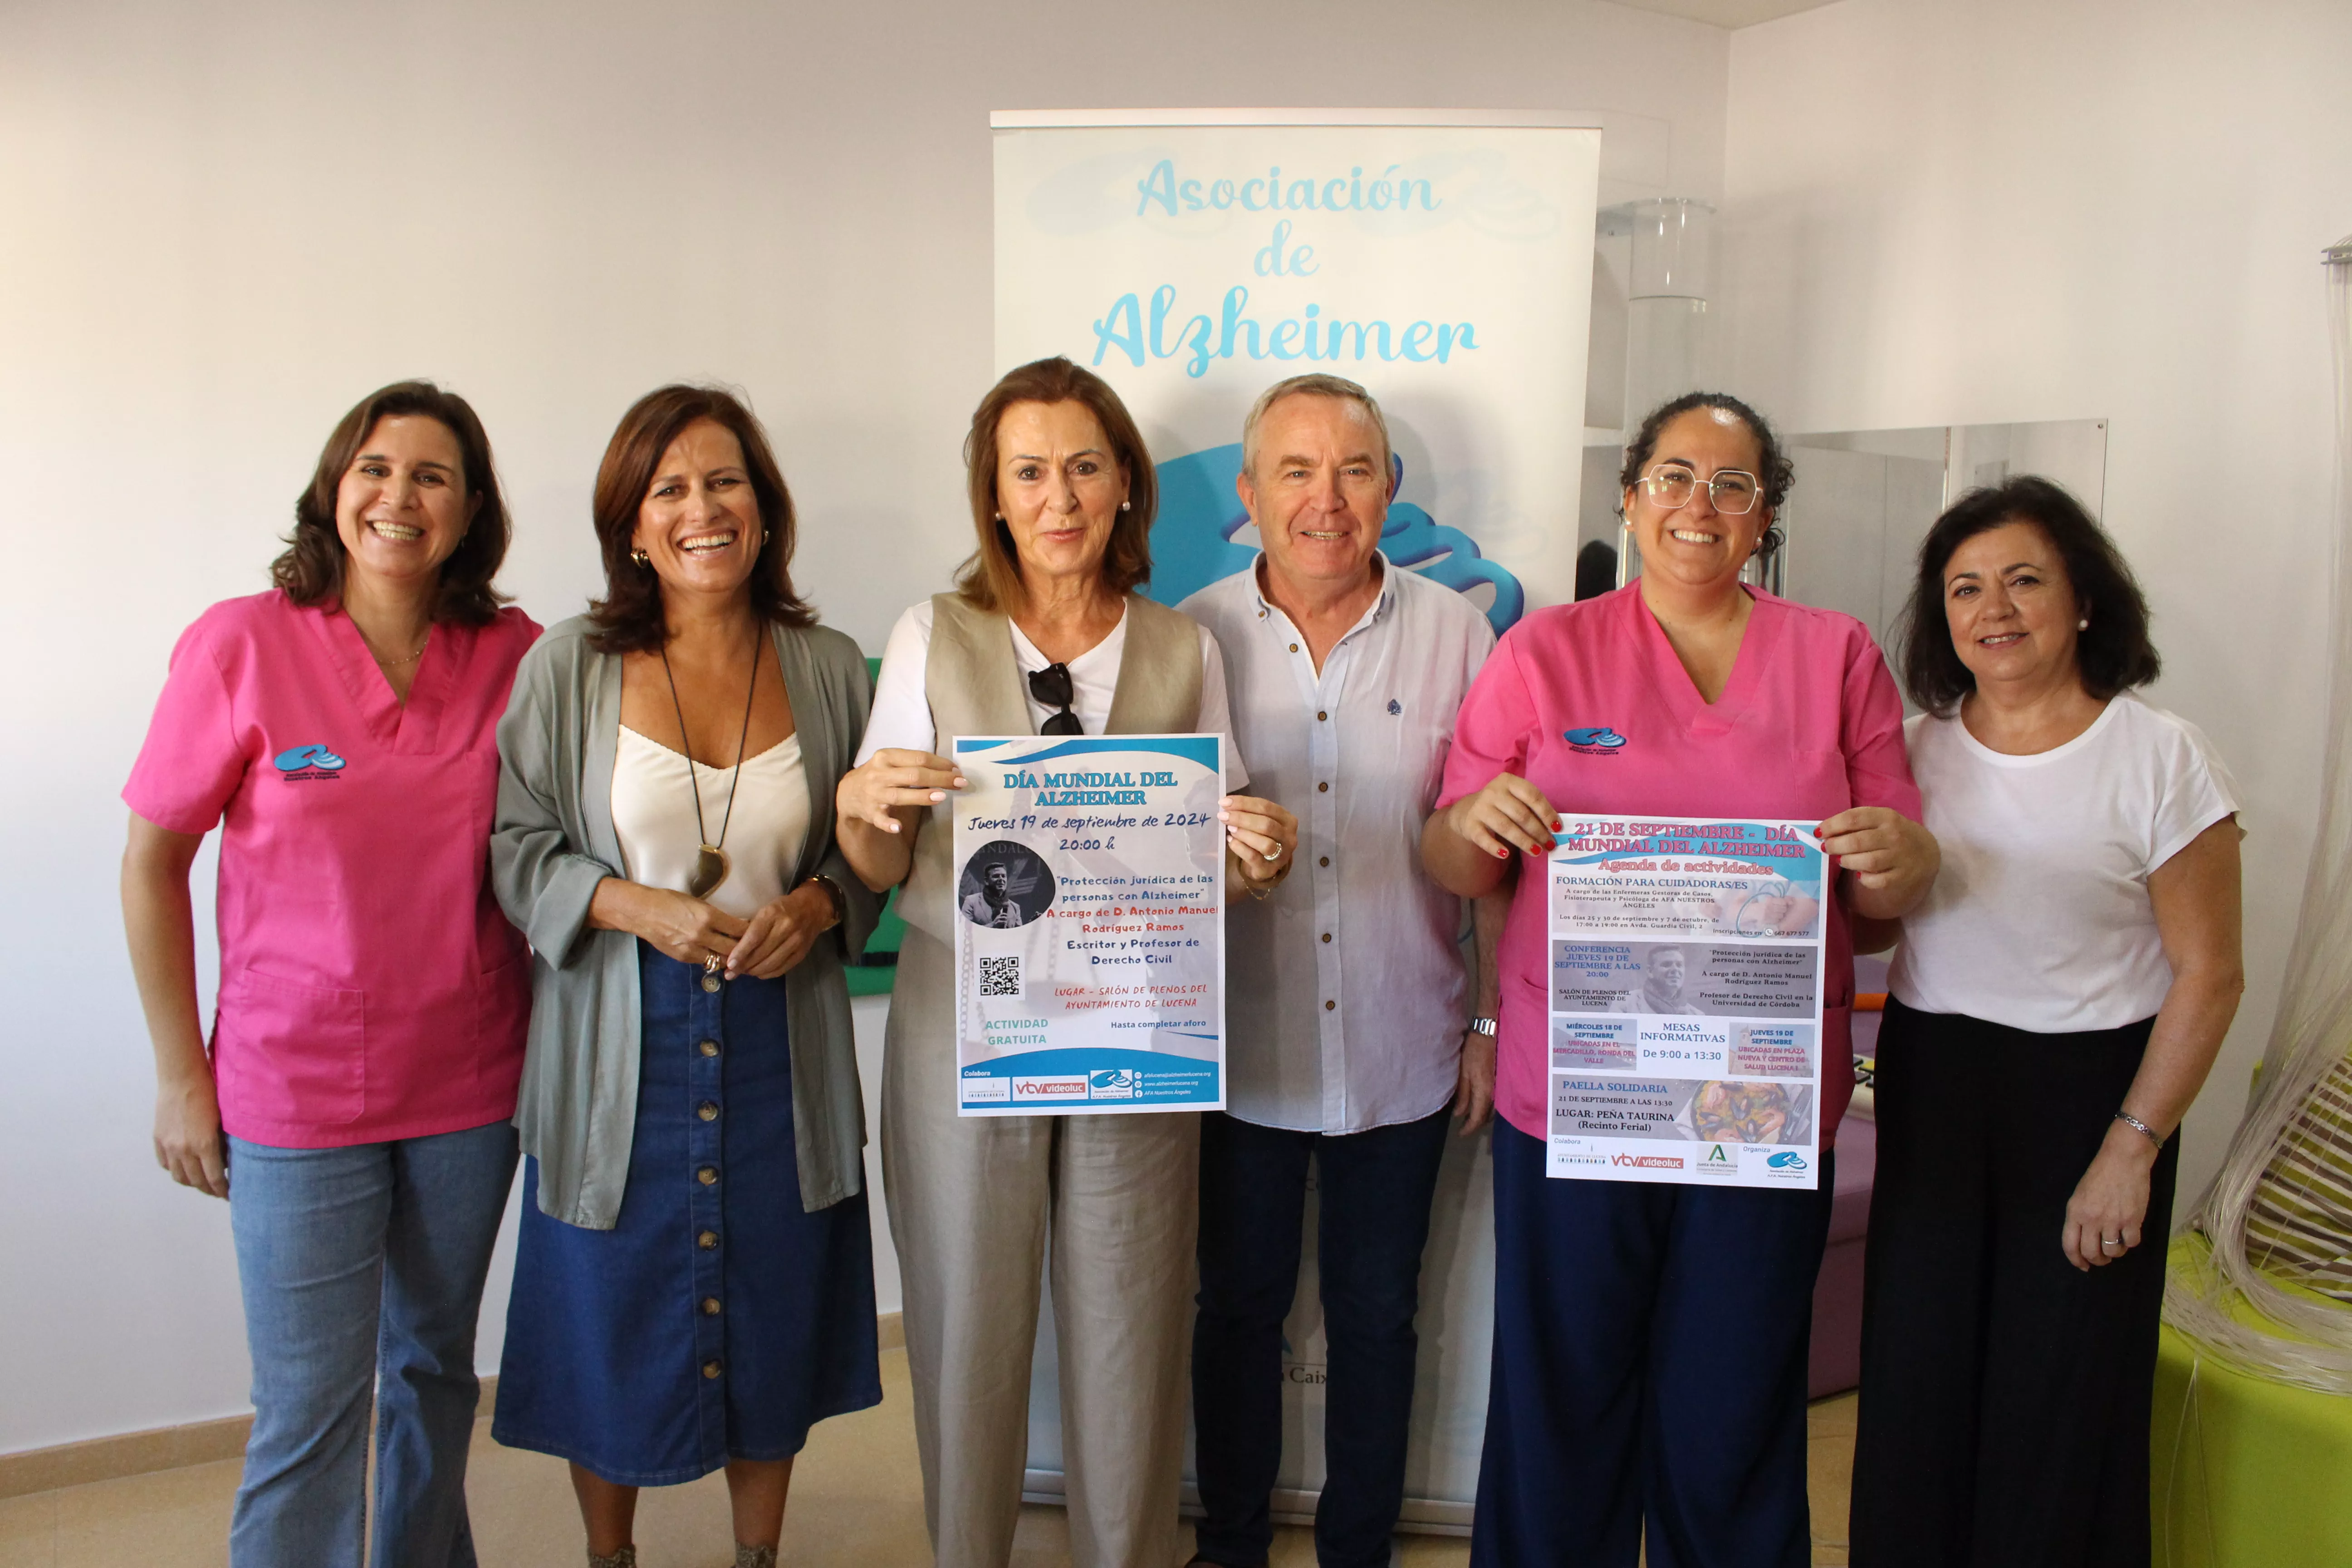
(654,818)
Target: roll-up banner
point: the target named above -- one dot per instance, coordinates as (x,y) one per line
(1442,259)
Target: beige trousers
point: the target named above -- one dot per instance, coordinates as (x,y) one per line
(973,1202)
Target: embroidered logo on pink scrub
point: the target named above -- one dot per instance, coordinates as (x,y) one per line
(308,762)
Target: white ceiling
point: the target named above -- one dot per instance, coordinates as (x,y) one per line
(1726,13)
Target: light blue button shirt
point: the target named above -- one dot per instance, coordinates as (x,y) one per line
(1345,991)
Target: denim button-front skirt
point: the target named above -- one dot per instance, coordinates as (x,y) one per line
(716,1320)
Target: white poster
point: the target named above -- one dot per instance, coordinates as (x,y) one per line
(1090,946)
(1686,965)
(1444,260)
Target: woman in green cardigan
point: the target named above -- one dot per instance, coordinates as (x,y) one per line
(694,1282)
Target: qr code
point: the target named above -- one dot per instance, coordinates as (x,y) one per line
(1000,976)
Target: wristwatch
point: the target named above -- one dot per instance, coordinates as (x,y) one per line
(1483,1026)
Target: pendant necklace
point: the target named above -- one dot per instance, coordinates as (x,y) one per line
(711,865)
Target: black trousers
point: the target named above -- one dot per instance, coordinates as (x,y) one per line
(2005,1393)
(1373,1191)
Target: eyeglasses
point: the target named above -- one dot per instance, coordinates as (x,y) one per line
(1733,490)
(1052,688)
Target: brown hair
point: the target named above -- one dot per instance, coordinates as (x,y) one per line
(2114,654)
(629,617)
(991,578)
(311,571)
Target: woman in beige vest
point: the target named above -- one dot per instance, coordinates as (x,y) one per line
(1042,635)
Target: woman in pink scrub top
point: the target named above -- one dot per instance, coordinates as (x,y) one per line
(355,1102)
(1650,1339)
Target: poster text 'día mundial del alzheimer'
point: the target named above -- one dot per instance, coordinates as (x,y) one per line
(1090,931)
(1686,962)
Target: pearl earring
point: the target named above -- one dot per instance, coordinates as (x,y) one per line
(1122,506)
(2083,624)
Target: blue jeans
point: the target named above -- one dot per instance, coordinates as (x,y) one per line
(1373,1190)
(362,1270)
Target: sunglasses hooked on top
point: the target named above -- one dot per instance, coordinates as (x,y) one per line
(1052,688)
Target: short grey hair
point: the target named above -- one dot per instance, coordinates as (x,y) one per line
(1314,385)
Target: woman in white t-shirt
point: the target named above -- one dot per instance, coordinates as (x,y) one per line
(2057,1001)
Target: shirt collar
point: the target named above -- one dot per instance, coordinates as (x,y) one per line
(1382,604)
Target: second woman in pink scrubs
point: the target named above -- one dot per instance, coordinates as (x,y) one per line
(1649,1372)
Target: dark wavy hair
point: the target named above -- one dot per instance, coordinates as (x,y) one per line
(311,571)
(1774,472)
(991,578)
(2113,654)
(629,617)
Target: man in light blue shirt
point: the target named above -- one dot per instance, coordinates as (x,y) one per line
(1347,1001)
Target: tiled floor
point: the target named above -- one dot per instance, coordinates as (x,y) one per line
(856,1500)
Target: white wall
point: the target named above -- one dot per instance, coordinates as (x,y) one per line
(1944,213)
(225,222)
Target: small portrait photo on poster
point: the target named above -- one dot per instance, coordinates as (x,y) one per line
(1004,886)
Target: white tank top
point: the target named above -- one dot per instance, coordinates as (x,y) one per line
(654,818)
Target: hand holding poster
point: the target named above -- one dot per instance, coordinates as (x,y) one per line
(1687,971)
(1089,943)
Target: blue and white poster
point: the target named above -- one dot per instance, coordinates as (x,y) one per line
(1442,259)
(1090,933)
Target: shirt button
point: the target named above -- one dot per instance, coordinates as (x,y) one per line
(1323,860)
(1327,936)
(707,1241)
(707,1111)
(1320,716)
(711,1369)
(711,1305)
(1323,789)
(1328,1005)
(709,1175)
(710,1047)
(1294,648)
(710,983)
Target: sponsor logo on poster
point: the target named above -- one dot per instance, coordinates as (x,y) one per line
(1062,1086)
